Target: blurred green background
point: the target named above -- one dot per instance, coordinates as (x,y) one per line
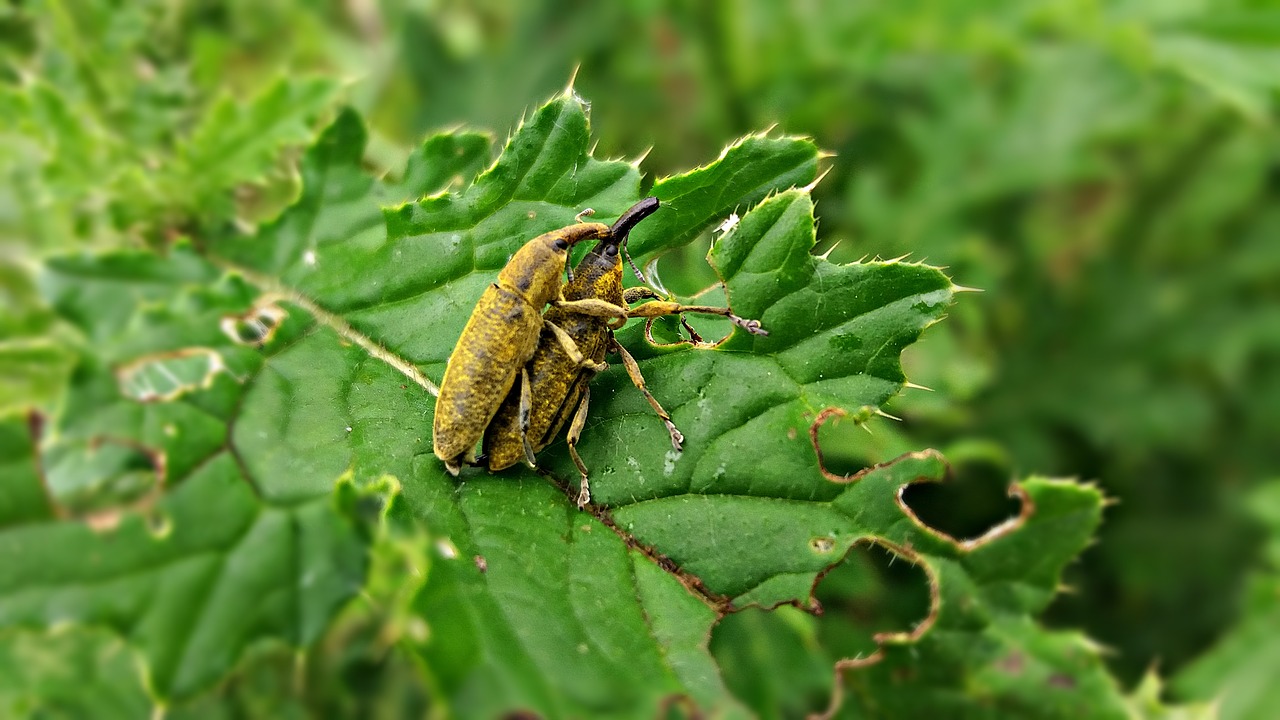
(1105,172)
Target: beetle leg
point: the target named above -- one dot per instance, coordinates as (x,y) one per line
(663,307)
(595,307)
(571,348)
(633,370)
(693,334)
(644,292)
(526,405)
(658,308)
(575,432)
(640,292)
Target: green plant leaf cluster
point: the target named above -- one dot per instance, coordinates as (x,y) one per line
(1236,672)
(240,400)
(1101,171)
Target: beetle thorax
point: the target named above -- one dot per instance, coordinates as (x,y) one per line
(534,272)
(597,277)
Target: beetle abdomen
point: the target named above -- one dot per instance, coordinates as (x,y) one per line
(497,341)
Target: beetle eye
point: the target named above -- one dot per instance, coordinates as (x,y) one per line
(611,250)
(562,244)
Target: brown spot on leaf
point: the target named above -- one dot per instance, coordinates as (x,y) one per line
(683,704)
(1062,681)
(1013,663)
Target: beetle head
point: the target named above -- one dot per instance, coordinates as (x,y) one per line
(534,270)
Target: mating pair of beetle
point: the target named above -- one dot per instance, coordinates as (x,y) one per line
(517,376)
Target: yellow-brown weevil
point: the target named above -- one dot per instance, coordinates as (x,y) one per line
(559,386)
(500,337)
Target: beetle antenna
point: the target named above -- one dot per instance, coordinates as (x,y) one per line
(632,263)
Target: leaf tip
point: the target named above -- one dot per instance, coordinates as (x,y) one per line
(809,188)
(827,254)
(573,78)
(644,154)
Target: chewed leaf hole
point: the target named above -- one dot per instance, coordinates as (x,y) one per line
(843,446)
(967,506)
(102,480)
(255,327)
(684,275)
(777,645)
(822,545)
(684,270)
(164,377)
(871,591)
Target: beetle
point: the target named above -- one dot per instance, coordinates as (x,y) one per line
(559,391)
(501,336)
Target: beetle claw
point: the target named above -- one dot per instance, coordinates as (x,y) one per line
(677,437)
(751,326)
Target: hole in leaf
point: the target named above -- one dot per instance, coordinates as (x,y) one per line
(164,377)
(845,444)
(871,591)
(255,327)
(685,270)
(686,276)
(768,662)
(974,500)
(822,545)
(159,524)
(103,476)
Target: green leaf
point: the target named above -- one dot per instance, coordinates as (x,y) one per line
(1243,76)
(237,142)
(22,494)
(700,198)
(246,378)
(32,373)
(73,674)
(202,563)
(1145,702)
(443,160)
(399,307)
(218,572)
(976,653)
(1239,671)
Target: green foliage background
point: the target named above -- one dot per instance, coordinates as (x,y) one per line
(1104,172)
